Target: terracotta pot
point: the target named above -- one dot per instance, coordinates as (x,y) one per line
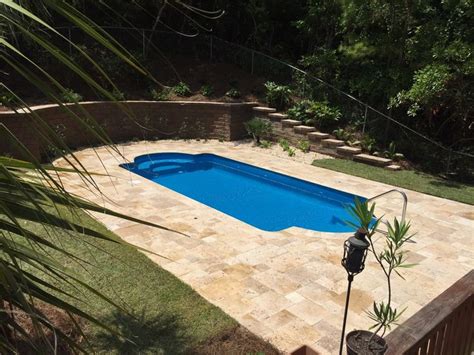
(357,343)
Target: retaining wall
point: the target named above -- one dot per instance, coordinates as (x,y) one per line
(123,121)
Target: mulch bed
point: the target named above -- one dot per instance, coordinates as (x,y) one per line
(58,318)
(236,341)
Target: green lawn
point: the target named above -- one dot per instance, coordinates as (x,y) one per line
(408,179)
(169,317)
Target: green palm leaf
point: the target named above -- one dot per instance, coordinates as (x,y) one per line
(31,194)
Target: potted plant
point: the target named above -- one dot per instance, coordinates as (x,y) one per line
(391,259)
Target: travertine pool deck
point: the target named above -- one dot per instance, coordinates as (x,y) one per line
(287,286)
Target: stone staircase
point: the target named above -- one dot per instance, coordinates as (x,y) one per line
(294,131)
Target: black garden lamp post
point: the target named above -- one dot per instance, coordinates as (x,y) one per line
(355,252)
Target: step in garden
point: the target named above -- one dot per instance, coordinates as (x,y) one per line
(393,167)
(372,160)
(348,151)
(302,129)
(317,136)
(263,109)
(290,123)
(332,143)
(277,116)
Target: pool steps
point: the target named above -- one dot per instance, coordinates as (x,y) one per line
(294,131)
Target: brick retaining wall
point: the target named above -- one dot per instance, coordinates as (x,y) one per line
(126,121)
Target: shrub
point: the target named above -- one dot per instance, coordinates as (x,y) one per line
(342,134)
(69,95)
(299,112)
(391,152)
(118,95)
(161,95)
(278,96)
(368,143)
(304,146)
(7,99)
(207,90)
(233,93)
(266,144)
(285,145)
(258,128)
(325,116)
(182,89)
(291,152)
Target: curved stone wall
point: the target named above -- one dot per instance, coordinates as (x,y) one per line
(123,121)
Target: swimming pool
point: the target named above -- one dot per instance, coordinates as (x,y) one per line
(262,198)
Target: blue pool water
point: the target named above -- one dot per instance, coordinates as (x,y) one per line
(259,197)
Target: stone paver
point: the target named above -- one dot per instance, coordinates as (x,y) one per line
(286,286)
(372,159)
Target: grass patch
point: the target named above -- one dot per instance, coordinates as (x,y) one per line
(168,316)
(407,179)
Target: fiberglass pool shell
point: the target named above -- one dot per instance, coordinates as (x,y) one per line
(262,198)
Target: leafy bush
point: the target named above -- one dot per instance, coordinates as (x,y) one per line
(391,152)
(69,95)
(368,143)
(285,145)
(207,90)
(258,128)
(291,152)
(299,112)
(304,146)
(278,96)
(315,113)
(266,144)
(325,116)
(233,93)
(342,134)
(182,89)
(7,99)
(118,95)
(429,84)
(161,95)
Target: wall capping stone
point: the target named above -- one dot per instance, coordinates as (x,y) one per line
(86,103)
(151,120)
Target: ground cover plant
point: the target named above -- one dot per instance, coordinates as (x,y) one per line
(181,89)
(207,90)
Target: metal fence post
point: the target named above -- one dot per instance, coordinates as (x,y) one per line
(448,165)
(365,120)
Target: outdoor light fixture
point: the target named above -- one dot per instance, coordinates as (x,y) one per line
(355,252)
